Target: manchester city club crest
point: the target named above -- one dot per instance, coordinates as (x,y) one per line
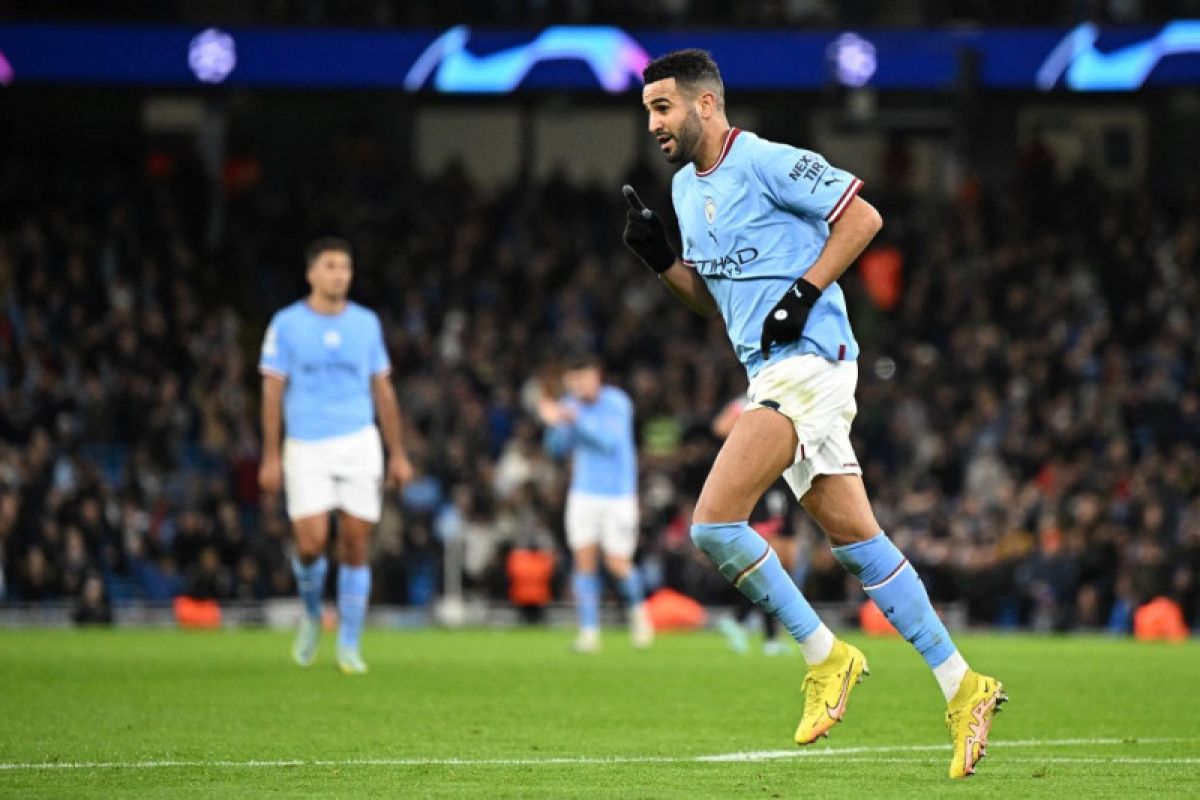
(710,210)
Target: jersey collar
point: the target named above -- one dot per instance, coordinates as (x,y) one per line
(725,148)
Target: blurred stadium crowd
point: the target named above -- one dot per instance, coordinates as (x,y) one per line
(1029,419)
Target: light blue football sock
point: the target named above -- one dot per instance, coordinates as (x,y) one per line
(354,590)
(894,585)
(633,591)
(310,583)
(587,598)
(749,563)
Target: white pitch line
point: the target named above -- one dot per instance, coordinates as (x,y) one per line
(861,754)
(768,755)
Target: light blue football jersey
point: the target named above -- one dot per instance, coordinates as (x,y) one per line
(601,441)
(754,223)
(328,362)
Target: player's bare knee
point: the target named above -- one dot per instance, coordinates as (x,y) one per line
(352,550)
(308,551)
(311,537)
(617,567)
(839,537)
(716,511)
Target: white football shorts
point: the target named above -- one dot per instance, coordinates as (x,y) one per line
(817,395)
(611,522)
(342,472)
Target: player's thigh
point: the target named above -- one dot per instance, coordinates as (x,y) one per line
(762,444)
(619,530)
(839,505)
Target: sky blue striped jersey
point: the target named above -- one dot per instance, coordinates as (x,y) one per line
(751,225)
(601,440)
(328,361)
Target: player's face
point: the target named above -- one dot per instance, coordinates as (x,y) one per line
(584,383)
(674,120)
(330,274)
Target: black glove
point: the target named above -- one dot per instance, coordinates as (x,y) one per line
(785,322)
(646,235)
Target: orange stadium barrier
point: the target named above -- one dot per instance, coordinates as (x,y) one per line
(882,270)
(670,610)
(192,613)
(1159,620)
(873,622)
(529,575)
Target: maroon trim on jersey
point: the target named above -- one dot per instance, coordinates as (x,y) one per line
(725,148)
(803,455)
(841,352)
(844,201)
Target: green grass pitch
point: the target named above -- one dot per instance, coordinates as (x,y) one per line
(514,714)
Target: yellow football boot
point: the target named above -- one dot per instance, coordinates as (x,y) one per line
(827,688)
(969,718)
(350,662)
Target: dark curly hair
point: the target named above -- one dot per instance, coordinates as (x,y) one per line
(692,70)
(325,243)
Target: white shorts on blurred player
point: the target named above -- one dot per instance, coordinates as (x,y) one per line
(611,522)
(342,472)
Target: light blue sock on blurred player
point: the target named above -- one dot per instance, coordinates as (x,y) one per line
(354,589)
(310,583)
(633,590)
(587,599)
(749,563)
(896,588)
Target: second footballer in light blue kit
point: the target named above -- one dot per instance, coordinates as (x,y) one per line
(767,229)
(594,424)
(326,377)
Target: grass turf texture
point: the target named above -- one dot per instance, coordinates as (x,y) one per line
(146,697)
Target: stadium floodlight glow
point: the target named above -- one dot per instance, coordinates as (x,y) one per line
(613,56)
(1084,68)
(212,55)
(854,59)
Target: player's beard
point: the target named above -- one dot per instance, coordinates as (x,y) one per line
(335,296)
(687,139)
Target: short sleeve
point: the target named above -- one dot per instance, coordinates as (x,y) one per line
(275,358)
(805,183)
(380,363)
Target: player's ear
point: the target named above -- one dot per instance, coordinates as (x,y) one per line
(707,104)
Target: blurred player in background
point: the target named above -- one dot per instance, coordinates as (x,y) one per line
(326,376)
(767,229)
(770,520)
(594,422)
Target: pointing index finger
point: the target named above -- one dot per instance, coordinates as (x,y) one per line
(635,202)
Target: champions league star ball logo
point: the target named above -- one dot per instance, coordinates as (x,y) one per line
(710,210)
(212,55)
(333,340)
